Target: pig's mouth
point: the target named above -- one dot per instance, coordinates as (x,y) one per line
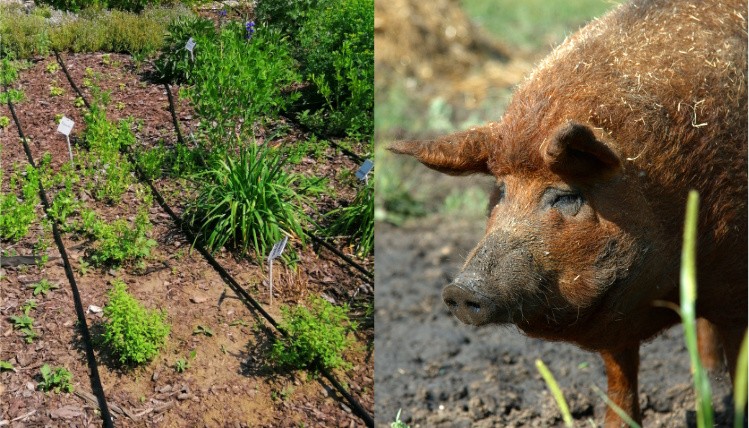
(471,307)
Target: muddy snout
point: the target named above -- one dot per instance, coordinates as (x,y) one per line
(468,306)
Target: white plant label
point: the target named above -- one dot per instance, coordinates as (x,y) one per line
(274,253)
(364,169)
(66,125)
(278,248)
(190,45)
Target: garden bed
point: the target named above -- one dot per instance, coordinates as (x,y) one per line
(229,379)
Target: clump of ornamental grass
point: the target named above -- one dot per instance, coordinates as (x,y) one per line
(356,220)
(246,201)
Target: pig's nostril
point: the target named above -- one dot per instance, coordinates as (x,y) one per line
(451,303)
(475,307)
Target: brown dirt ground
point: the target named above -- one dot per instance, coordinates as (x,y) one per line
(229,388)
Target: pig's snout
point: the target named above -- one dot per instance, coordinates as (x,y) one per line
(468,306)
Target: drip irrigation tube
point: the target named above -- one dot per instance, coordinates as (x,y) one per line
(96,385)
(357,407)
(318,240)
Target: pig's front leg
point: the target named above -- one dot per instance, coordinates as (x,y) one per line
(621,370)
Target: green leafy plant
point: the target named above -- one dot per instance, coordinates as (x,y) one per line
(52,67)
(133,333)
(4,121)
(316,335)
(25,323)
(356,220)
(58,117)
(181,365)
(78,102)
(14,95)
(18,215)
(4,365)
(43,287)
(247,200)
(55,91)
(398,423)
(59,379)
(28,306)
(83,267)
(203,330)
(118,243)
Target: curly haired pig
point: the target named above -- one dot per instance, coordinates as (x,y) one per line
(593,159)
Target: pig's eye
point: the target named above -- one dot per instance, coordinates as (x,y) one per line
(566,202)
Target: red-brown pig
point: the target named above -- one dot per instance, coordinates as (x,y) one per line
(593,159)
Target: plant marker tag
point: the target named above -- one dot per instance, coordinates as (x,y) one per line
(66,125)
(190,45)
(363,173)
(276,251)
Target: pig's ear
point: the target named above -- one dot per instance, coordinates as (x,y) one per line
(457,154)
(576,152)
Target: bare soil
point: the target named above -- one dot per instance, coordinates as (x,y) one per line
(229,382)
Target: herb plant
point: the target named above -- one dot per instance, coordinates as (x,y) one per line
(43,287)
(317,335)
(59,379)
(133,333)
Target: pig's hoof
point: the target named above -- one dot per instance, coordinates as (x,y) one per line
(469,307)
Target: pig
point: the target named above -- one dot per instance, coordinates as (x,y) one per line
(592,162)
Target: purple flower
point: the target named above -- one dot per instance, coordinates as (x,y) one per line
(249,27)
(222,13)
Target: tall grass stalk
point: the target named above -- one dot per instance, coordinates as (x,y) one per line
(619,411)
(688,298)
(556,392)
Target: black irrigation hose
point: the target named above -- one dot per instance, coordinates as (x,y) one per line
(70,79)
(320,241)
(96,386)
(174,115)
(357,407)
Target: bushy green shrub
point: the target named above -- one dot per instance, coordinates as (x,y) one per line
(175,64)
(134,334)
(356,220)
(92,30)
(19,213)
(246,200)
(118,243)
(319,333)
(336,52)
(128,5)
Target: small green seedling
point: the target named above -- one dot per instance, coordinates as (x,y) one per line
(4,365)
(22,322)
(89,72)
(181,365)
(55,91)
(120,105)
(78,102)
(43,287)
(193,354)
(203,330)
(52,67)
(398,423)
(239,322)
(28,306)
(105,59)
(59,379)
(87,82)
(58,117)
(83,266)
(122,86)
(4,121)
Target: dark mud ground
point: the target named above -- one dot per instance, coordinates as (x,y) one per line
(443,373)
